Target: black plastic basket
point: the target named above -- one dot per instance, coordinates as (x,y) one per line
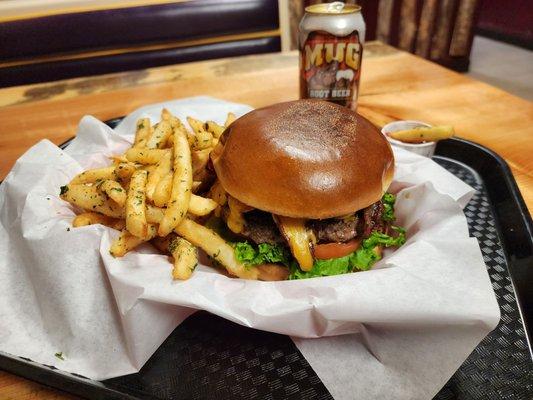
(208,357)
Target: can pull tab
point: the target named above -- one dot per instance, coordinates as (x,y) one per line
(336,6)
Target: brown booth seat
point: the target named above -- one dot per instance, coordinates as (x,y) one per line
(68,45)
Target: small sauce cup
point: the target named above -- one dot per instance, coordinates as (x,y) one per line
(424,149)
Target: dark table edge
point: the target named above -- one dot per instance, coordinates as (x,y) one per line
(515,228)
(452,148)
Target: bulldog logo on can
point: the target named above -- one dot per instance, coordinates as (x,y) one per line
(330,68)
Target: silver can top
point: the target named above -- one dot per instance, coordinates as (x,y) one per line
(335,8)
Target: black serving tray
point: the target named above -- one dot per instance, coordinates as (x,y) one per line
(208,357)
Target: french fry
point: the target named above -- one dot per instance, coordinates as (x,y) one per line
(162,191)
(195,124)
(89,198)
(190,138)
(215,247)
(136,205)
(144,130)
(175,122)
(148,168)
(215,129)
(93,175)
(114,190)
(166,115)
(203,140)
(159,137)
(185,258)
(200,206)
(218,194)
(145,156)
(154,215)
(229,120)
(423,134)
(163,168)
(127,242)
(180,195)
(90,218)
(170,141)
(124,171)
(200,158)
(117,159)
(178,125)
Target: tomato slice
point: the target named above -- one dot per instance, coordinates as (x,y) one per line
(335,250)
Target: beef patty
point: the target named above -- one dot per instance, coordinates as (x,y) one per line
(335,229)
(260,227)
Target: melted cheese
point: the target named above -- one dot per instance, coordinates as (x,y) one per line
(235,219)
(218,193)
(299,239)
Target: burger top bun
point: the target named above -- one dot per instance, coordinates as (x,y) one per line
(306,159)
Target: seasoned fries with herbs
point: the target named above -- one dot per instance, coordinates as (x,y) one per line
(127,242)
(89,198)
(144,130)
(147,194)
(185,258)
(91,218)
(136,205)
(93,175)
(114,190)
(215,247)
(180,193)
(145,156)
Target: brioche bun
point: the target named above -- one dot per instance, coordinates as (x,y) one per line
(306,159)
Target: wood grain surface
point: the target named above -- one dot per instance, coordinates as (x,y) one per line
(395,85)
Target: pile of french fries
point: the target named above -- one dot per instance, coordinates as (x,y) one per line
(148,193)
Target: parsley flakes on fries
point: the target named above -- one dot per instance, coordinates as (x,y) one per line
(149,194)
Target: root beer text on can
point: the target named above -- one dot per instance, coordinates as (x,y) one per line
(331,46)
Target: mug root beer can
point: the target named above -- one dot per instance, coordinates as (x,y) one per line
(331,47)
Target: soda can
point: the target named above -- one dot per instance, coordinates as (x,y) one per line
(331,41)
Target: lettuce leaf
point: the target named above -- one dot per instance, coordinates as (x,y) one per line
(251,255)
(377,239)
(333,266)
(388,201)
(362,259)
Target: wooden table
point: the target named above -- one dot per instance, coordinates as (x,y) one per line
(395,85)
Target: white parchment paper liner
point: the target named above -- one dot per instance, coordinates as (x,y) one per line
(407,324)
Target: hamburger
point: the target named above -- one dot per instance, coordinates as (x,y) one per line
(303,185)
